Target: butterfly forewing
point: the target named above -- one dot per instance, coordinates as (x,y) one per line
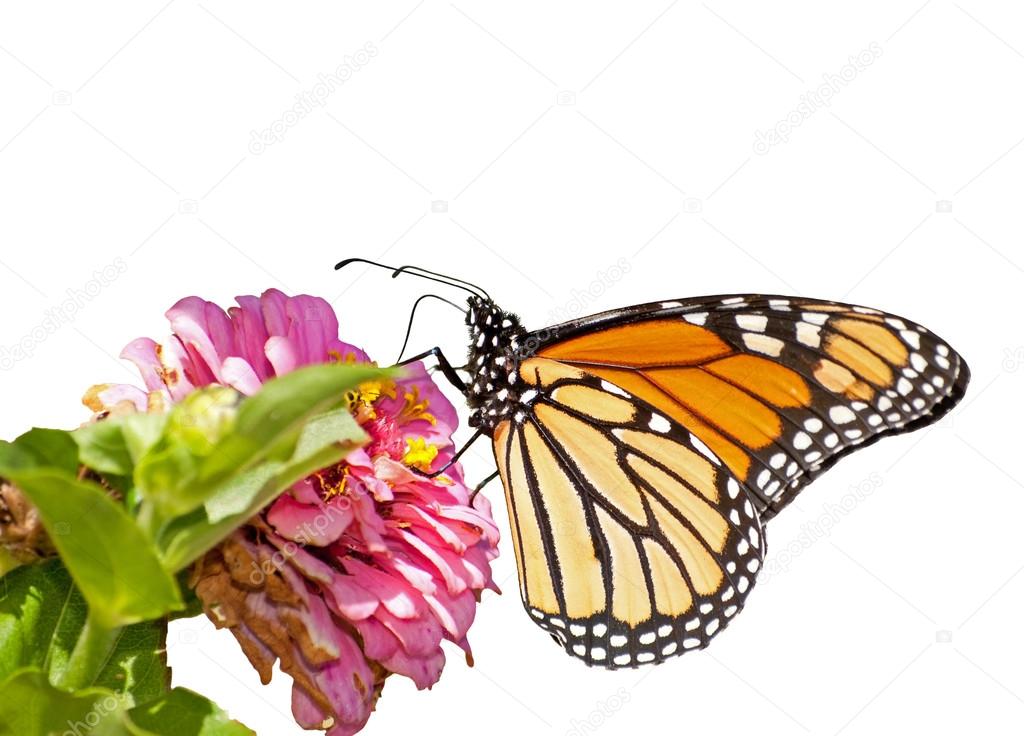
(779,388)
(634,542)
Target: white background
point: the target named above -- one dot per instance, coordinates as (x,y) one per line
(896,596)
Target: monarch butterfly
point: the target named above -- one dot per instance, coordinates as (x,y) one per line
(643,449)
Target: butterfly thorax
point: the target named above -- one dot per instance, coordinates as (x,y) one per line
(495,347)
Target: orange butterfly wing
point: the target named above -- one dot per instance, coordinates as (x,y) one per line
(778,387)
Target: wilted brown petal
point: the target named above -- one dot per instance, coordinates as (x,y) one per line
(21,531)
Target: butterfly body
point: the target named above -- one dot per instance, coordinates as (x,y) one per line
(495,346)
(642,449)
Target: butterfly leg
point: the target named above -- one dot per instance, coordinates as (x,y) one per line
(454,459)
(480,485)
(442,363)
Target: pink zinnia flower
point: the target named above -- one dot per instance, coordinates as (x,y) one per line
(360,570)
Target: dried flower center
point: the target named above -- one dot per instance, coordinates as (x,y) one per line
(331,482)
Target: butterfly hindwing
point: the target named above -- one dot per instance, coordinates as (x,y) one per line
(634,541)
(778,387)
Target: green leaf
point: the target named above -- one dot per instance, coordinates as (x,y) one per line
(165,478)
(323,442)
(31,706)
(183,713)
(115,444)
(138,662)
(101,446)
(13,458)
(51,447)
(270,422)
(8,562)
(165,473)
(41,617)
(39,448)
(320,433)
(203,419)
(141,432)
(41,614)
(110,559)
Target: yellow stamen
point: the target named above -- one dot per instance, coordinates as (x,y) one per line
(360,401)
(415,408)
(419,455)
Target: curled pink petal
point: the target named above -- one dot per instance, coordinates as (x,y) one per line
(193,321)
(239,375)
(143,353)
(282,354)
(250,334)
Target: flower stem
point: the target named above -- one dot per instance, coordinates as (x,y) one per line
(89,655)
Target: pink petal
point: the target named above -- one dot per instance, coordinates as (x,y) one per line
(418,517)
(305,712)
(316,618)
(180,374)
(312,567)
(419,636)
(447,564)
(346,352)
(456,613)
(308,524)
(351,600)
(143,353)
(191,321)
(480,520)
(425,671)
(239,374)
(371,526)
(305,492)
(438,404)
(250,334)
(398,563)
(282,355)
(274,306)
(378,642)
(114,394)
(348,682)
(400,598)
(313,325)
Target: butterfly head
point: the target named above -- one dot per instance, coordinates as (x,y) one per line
(496,340)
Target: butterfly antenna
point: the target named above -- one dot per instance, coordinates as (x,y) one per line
(457,283)
(412,316)
(419,271)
